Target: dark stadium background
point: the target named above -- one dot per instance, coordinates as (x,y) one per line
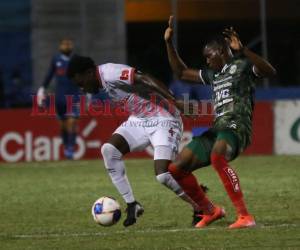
(28,37)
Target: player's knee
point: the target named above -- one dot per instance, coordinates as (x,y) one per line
(172,168)
(110,152)
(163,178)
(176,171)
(167,180)
(217,160)
(105,150)
(219,147)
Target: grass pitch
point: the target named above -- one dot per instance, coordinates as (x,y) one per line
(48,206)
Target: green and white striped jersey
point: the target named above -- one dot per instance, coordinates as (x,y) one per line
(233,96)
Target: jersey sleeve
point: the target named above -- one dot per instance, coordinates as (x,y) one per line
(204,75)
(116,73)
(254,72)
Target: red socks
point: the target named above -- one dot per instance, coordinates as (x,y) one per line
(229,178)
(190,186)
(230,181)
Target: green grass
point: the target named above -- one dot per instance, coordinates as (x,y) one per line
(47,206)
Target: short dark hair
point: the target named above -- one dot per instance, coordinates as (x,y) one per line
(217,41)
(79,64)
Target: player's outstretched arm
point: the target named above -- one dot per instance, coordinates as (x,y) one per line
(155,84)
(262,67)
(145,85)
(177,65)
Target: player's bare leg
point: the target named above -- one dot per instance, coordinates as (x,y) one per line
(231,184)
(181,171)
(112,153)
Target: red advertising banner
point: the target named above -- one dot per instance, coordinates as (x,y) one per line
(263,129)
(27,137)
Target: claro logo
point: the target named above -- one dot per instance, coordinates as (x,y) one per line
(15,146)
(295,130)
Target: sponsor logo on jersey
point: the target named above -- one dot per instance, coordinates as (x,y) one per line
(232,69)
(221,86)
(222,80)
(232,125)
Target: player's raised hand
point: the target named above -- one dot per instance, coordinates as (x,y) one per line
(232,37)
(169,31)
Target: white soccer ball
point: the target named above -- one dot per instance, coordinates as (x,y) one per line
(106,211)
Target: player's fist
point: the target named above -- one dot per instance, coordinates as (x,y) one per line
(232,38)
(169,31)
(41,96)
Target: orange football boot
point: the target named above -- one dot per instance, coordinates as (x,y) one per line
(218,213)
(243,221)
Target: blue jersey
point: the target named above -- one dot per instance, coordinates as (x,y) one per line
(64,86)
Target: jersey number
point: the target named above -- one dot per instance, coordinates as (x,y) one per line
(125,74)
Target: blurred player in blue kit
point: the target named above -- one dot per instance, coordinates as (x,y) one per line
(64,87)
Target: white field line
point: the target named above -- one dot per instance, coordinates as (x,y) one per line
(146,231)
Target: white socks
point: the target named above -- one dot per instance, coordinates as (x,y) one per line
(116,169)
(168,180)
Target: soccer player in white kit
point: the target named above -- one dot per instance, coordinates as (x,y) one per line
(149,123)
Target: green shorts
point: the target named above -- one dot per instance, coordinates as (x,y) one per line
(202,145)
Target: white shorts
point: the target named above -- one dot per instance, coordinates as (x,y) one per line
(163,134)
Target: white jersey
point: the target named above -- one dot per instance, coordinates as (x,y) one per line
(113,75)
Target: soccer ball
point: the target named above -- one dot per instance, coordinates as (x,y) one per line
(106,211)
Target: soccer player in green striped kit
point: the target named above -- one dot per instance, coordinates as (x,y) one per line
(232,73)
